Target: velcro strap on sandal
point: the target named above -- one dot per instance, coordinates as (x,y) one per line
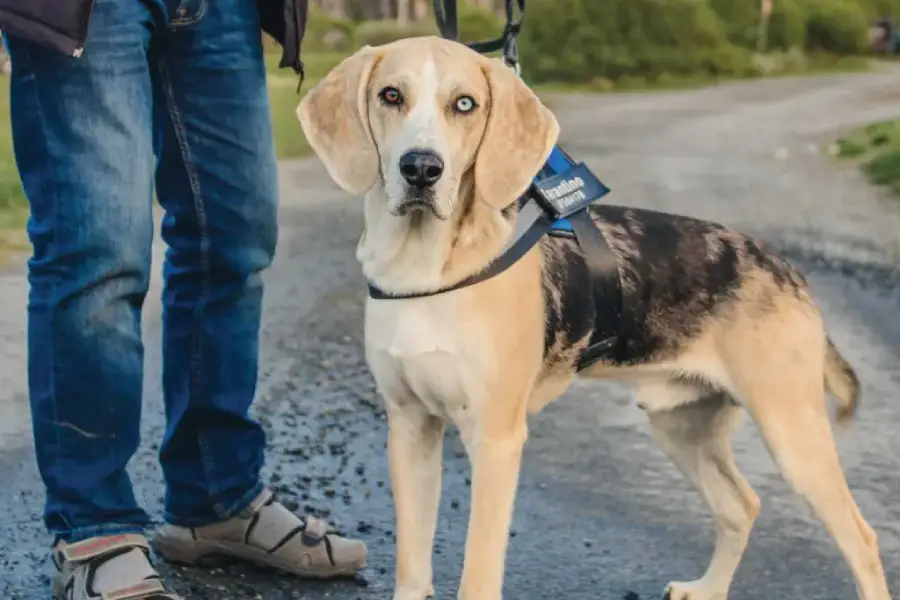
(146,589)
(315,529)
(95,547)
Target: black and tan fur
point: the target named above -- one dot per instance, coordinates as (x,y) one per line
(713,324)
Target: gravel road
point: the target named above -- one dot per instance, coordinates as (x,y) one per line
(601,513)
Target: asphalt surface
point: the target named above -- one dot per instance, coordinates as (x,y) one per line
(601,513)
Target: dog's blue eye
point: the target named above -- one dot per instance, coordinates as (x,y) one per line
(391,96)
(465,104)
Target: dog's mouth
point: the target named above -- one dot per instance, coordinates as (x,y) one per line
(418,203)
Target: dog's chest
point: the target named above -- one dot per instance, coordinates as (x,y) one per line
(422,349)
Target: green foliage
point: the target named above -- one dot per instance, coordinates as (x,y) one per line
(627,38)
(610,40)
(877,147)
(740,20)
(477,24)
(787,25)
(884,169)
(875,9)
(838,26)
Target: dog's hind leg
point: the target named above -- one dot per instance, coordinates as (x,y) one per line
(697,438)
(776,361)
(794,423)
(415,462)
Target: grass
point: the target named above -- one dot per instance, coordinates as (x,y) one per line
(283,97)
(876,148)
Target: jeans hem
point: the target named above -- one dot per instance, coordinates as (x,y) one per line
(79,534)
(221,512)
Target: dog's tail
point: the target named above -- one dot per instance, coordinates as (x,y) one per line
(841,380)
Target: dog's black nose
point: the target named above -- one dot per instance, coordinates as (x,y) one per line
(421,168)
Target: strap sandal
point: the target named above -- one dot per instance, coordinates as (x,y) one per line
(113,567)
(268,535)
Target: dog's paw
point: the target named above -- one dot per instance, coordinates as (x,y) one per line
(693,590)
(409,594)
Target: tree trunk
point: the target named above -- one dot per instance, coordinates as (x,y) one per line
(403,12)
(420,10)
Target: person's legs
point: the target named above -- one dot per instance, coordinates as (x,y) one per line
(82,132)
(82,137)
(217,181)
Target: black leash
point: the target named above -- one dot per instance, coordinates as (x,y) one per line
(445,14)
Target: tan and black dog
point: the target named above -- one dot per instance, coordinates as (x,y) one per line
(441,142)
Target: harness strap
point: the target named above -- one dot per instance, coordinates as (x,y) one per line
(447,21)
(604,277)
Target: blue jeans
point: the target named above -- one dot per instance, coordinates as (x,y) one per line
(170,92)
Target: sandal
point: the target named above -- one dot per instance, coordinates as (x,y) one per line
(115,567)
(268,535)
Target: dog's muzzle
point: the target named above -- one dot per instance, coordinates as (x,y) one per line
(421,170)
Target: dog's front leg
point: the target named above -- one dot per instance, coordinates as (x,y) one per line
(414,455)
(496,455)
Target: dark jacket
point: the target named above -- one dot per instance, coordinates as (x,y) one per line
(63,24)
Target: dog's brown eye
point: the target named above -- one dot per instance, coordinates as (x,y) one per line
(391,96)
(465,104)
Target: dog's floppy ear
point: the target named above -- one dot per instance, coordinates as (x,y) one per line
(334,117)
(518,138)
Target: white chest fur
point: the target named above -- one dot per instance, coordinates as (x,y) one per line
(420,350)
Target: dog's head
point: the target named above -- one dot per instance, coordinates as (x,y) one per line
(422,115)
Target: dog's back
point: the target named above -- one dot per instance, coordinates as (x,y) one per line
(677,273)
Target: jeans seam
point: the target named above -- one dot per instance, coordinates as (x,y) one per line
(55,229)
(175,23)
(195,385)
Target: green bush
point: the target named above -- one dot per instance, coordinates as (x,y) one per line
(787,25)
(875,9)
(477,24)
(740,20)
(586,40)
(838,26)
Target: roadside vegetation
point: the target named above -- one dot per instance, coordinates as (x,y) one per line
(597,45)
(876,148)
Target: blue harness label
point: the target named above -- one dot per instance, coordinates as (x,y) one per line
(565,194)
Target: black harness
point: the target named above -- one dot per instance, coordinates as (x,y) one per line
(555,204)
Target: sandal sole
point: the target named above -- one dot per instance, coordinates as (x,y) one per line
(204,549)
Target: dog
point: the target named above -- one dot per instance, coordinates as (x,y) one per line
(441,142)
